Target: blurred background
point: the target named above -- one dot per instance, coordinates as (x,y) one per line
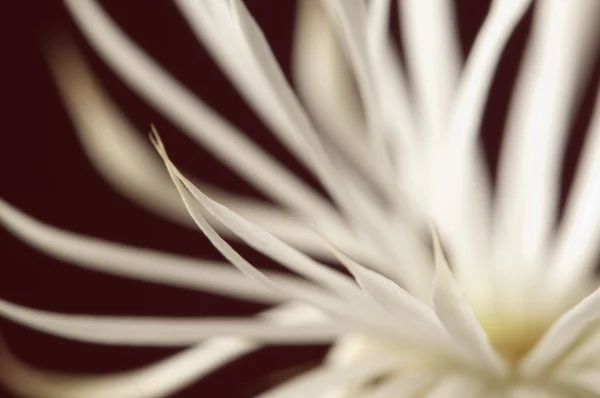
(44,171)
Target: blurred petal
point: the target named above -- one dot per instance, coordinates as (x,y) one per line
(565,332)
(125,159)
(458,318)
(460,185)
(153,381)
(325,83)
(154,331)
(433,57)
(401,388)
(138,263)
(559,56)
(322,379)
(228,144)
(575,254)
(457,386)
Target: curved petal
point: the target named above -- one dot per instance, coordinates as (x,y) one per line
(126,160)
(402,388)
(460,191)
(559,57)
(430,39)
(153,381)
(459,319)
(193,116)
(150,331)
(567,330)
(325,83)
(321,380)
(574,257)
(144,264)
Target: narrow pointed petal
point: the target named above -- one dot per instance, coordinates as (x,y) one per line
(576,252)
(567,330)
(402,388)
(322,379)
(350,17)
(264,242)
(459,319)
(587,379)
(433,57)
(411,315)
(398,129)
(129,164)
(456,386)
(138,263)
(154,381)
(157,380)
(585,354)
(559,57)
(325,83)
(460,191)
(164,331)
(385,292)
(193,116)
(349,308)
(259,77)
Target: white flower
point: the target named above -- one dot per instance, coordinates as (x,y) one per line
(512,316)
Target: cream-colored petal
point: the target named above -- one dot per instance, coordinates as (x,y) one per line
(459,319)
(157,380)
(574,257)
(138,263)
(460,191)
(322,379)
(565,332)
(129,164)
(155,331)
(193,116)
(559,56)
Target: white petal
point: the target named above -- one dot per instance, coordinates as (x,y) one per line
(310,294)
(164,331)
(478,73)
(433,57)
(576,251)
(393,298)
(460,188)
(526,391)
(193,116)
(153,381)
(588,379)
(259,77)
(236,42)
(401,388)
(560,53)
(318,381)
(325,83)
(585,354)
(267,244)
(398,128)
(354,310)
(459,319)
(350,17)
(138,263)
(562,335)
(456,386)
(127,161)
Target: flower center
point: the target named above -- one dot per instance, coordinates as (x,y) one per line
(514,336)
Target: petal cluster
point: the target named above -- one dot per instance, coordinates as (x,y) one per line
(435,295)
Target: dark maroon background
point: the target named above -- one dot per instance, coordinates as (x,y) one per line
(44,172)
